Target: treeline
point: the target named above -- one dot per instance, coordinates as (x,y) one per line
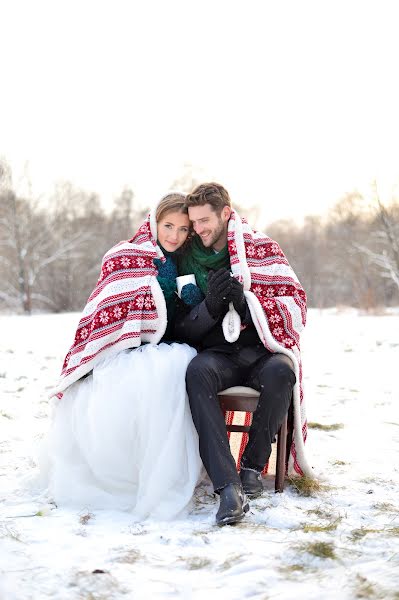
(350,257)
(51,255)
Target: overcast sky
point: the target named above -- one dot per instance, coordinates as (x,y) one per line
(288,104)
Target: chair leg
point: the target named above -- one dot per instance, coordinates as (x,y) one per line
(281,456)
(290,432)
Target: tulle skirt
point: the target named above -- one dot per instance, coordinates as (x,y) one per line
(123,437)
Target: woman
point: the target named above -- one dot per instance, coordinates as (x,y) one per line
(122,434)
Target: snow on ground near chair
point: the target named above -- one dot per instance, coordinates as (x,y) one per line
(341,543)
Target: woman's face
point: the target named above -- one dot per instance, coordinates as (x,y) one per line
(172,230)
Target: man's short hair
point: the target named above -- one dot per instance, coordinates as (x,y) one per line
(209,193)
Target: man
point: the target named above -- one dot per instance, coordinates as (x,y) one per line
(263,353)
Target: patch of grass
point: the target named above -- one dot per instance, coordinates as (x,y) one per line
(319,549)
(321,512)
(195,563)
(203,532)
(296,571)
(365,589)
(295,568)
(230,561)
(305,486)
(324,427)
(385,507)
(252,527)
(361,532)
(130,557)
(309,528)
(338,463)
(137,529)
(85,517)
(376,480)
(5,415)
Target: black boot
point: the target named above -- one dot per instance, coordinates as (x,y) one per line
(251,482)
(233,505)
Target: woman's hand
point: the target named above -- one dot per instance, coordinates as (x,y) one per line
(167,269)
(191,294)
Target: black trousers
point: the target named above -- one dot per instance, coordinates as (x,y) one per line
(214,370)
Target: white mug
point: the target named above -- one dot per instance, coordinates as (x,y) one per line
(184,280)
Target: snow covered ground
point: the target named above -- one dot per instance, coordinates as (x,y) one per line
(341,543)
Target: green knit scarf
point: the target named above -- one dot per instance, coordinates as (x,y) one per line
(199,260)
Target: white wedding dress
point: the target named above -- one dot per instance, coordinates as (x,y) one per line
(123,437)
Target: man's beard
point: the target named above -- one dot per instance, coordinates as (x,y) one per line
(216,235)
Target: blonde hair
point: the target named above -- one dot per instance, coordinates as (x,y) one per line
(172,202)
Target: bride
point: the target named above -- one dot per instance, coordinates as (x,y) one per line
(122,435)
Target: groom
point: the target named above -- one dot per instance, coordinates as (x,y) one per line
(246,361)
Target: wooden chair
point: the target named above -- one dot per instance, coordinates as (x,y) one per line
(245,399)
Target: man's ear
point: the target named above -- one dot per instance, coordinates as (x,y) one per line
(226,212)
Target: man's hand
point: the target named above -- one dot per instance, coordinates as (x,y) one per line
(237,297)
(218,292)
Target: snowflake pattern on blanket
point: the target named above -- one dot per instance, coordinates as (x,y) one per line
(126,307)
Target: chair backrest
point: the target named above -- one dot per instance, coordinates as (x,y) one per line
(241,399)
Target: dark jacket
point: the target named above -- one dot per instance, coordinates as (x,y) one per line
(197,327)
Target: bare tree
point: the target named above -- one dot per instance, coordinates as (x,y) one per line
(34,249)
(30,247)
(382,248)
(124,219)
(79,228)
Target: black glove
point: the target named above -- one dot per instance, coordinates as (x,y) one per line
(218,292)
(237,297)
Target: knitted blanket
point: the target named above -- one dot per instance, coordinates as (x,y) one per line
(277,304)
(125,309)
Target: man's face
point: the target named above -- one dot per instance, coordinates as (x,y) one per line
(211,227)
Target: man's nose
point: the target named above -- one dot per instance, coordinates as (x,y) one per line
(198,228)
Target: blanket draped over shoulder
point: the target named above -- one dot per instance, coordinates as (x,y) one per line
(277,303)
(125,309)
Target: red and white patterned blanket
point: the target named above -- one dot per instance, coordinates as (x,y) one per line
(277,303)
(126,308)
